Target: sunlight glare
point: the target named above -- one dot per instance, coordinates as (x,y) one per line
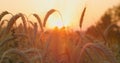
(54,20)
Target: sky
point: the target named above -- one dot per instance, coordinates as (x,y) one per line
(70,9)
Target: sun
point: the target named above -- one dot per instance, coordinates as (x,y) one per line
(55,20)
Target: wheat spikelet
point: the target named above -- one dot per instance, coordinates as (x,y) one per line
(108,54)
(17,52)
(46,48)
(24,21)
(13,20)
(47,16)
(82,17)
(35,30)
(3,14)
(39,20)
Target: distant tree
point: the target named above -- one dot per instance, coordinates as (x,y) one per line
(108,21)
(108,28)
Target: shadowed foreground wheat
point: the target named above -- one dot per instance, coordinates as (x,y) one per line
(51,46)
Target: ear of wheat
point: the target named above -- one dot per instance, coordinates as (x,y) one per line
(3,14)
(13,20)
(82,17)
(49,13)
(47,16)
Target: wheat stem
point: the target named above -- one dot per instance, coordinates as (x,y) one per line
(17,52)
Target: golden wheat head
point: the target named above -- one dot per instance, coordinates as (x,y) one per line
(39,20)
(47,16)
(82,17)
(3,14)
(13,20)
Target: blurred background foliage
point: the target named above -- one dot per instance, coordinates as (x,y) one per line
(108,29)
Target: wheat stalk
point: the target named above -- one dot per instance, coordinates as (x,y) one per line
(20,35)
(30,23)
(108,54)
(32,50)
(35,29)
(17,52)
(6,40)
(46,48)
(35,32)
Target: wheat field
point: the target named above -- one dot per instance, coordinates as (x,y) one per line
(29,42)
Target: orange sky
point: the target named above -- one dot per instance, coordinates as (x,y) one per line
(70,9)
